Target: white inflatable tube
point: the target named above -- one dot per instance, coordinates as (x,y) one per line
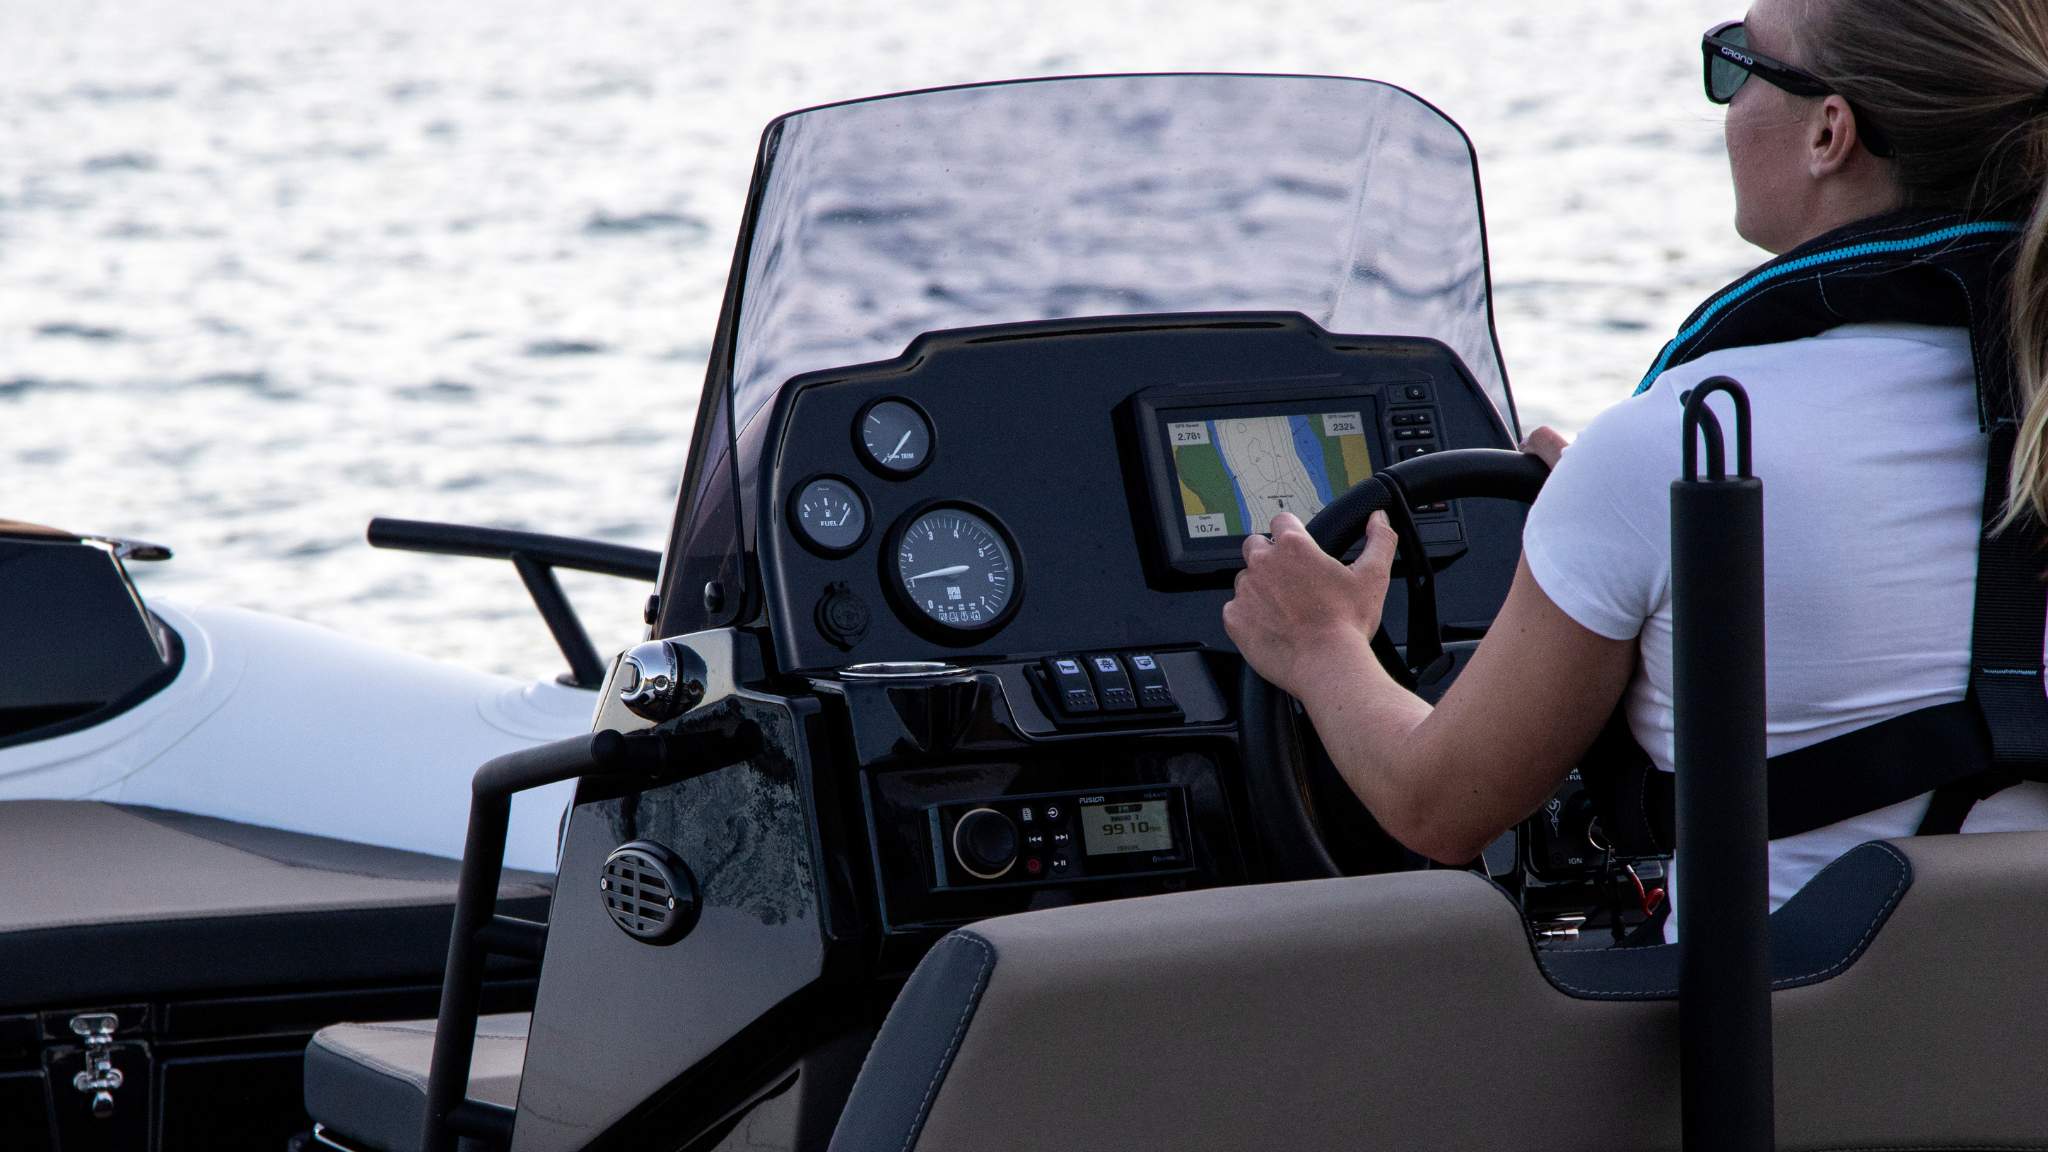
(289,725)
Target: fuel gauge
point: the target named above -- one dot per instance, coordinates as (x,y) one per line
(829,515)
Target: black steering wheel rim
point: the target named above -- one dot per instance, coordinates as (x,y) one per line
(1283,811)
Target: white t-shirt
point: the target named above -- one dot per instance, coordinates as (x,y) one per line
(1867,443)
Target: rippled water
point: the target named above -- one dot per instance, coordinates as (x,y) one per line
(270,268)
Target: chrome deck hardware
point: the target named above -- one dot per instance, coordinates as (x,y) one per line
(660,680)
(100,1077)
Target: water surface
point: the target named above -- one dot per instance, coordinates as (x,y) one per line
(270,268)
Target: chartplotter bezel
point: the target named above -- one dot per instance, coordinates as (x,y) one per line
(1155,410)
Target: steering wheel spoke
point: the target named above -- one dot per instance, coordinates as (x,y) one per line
(1283,807)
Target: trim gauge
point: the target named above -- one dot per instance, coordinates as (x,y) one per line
(894,437)
(952,572)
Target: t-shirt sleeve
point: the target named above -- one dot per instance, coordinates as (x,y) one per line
(1598,539)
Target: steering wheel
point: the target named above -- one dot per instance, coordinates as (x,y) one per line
(1282,808)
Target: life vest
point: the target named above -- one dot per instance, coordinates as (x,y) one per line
(1922,268)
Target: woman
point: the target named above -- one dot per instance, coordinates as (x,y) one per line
(1874,118)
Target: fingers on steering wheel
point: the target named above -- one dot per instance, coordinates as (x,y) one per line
(1547,444)
(1380,543)
(1255,544)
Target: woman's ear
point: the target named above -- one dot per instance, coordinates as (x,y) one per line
(1834,137)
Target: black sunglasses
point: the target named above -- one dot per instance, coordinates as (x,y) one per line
(1729,62)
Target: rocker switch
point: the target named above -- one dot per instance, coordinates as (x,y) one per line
(1070,685)
(1150,680)
(1112,684)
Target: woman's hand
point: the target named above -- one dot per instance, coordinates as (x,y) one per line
(1300,616)
(1546,444)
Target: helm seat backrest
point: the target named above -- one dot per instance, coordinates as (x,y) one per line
(1410,1011)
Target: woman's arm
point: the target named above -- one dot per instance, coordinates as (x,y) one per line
(1446,780)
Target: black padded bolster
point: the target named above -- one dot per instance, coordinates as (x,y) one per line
(915,1048)
(1815,935)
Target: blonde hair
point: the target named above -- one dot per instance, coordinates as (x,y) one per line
(1961,89)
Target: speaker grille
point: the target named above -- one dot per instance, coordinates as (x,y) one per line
(648,892)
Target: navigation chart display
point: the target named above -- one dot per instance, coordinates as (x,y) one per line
(1236,474)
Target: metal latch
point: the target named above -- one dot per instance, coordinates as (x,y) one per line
(100,1077)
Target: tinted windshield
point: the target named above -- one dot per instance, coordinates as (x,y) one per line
(1349,201)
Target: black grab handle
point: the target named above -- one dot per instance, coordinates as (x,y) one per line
(1724,989)
(535,555)
(478,931)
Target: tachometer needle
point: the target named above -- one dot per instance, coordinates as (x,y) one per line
(953,570)
(898,449)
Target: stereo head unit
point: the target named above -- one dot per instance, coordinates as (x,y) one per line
(1060,838)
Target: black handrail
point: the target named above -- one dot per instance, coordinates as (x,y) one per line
(1724,992)
(479,930)
(535,555)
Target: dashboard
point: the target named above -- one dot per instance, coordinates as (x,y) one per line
(1001,558)
(1072,486)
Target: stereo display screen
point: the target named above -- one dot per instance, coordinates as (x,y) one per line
(1126,826)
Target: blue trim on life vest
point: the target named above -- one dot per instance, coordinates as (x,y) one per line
(1832,255)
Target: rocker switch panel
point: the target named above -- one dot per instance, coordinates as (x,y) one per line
(1112,684)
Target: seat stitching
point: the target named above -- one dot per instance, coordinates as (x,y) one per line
(409,1030)
(375,1064)
(1940,1148)
(1884,910)
(1898,890)
(988,964)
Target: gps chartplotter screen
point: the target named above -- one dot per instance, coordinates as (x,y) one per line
(1236,474)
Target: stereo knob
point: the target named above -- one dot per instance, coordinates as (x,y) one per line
(985,843)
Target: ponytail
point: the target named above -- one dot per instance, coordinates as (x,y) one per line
(2028,490)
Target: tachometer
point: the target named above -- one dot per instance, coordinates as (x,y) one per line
(953,571)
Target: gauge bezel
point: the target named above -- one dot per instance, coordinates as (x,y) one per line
(796,525)
(867,457)
(906,608)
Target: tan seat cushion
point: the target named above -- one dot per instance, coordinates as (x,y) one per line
(368,1082)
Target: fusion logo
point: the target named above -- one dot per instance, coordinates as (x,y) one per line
(1739,58)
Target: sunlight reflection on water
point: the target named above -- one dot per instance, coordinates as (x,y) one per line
(267,270)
